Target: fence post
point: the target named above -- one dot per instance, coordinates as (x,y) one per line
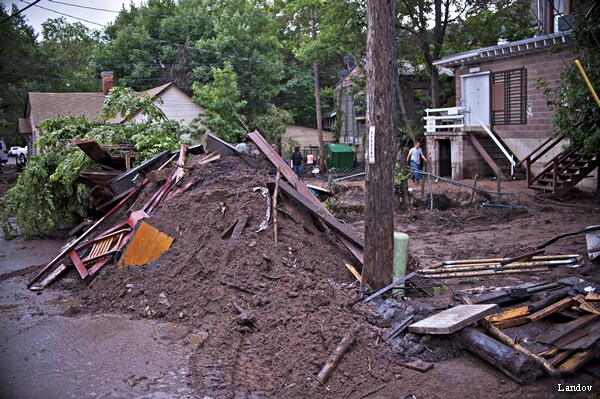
(499,182)
(423,168)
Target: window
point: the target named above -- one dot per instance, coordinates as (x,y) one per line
(509,97)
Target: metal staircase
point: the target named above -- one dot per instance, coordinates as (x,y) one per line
(562,173)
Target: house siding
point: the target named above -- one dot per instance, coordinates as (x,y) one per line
(538,65)
(178,106)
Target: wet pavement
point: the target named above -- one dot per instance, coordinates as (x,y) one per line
(44,354)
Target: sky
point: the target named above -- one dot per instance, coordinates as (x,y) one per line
(94,18)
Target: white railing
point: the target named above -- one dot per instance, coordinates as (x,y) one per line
(442,119)
(508,156)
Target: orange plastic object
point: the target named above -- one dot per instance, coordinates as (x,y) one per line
(147,244)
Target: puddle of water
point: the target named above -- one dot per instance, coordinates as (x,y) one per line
(45,355)
(67,302)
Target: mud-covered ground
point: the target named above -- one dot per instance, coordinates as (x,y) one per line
(270,314)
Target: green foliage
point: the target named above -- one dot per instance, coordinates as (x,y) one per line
(222,104)
(272,124)
(46,195)
(576,113)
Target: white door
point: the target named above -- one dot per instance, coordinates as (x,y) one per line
(476,98)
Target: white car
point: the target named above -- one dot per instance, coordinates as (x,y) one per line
(18,152)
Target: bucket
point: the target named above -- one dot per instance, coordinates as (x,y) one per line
(401,241)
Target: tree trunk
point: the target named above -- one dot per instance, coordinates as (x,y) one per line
(379,184)
(403,189)
(435,88)
(313,35)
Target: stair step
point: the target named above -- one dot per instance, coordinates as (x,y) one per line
(541,188)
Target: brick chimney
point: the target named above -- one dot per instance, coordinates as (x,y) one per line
(107,81)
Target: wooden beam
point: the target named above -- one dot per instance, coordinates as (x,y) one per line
(509,314)
(334,224)
(573,364)
(558,331)
(558,306)
(483,153)
(517,366)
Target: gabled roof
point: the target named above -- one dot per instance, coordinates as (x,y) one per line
(505,50)
(43,106)
(155,91)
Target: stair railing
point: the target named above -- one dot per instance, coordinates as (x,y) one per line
(536,154)
(508,156)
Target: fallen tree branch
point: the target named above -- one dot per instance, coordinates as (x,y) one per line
(335,358)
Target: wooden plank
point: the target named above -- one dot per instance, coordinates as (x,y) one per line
(483,153)
(418,365)
(334,224)
(590,307)
(518,321)
(509,314)
(592,296)
(558,359)
(560,305)
(573,363)
(95,151)
(553,297)
(592,335)
(453,319)
(320,190)
(49,278)
(558,331)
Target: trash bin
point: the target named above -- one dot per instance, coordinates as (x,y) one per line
(339,156)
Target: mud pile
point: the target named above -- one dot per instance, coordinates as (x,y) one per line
(271,313)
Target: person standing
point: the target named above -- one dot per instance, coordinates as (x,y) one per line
(297,162)
(414,161)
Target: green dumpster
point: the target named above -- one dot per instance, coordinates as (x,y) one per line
(339,156)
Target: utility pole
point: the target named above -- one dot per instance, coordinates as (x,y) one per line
(313,35)
(381,149)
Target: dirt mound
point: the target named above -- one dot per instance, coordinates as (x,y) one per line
(272,313)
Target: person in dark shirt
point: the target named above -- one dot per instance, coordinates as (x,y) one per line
(297,162)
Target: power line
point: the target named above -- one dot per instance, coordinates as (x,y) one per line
(152,15)
(62,13)
(20,11)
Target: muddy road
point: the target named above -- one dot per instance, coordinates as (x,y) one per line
(75,340)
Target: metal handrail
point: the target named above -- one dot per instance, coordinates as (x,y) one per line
(495,139)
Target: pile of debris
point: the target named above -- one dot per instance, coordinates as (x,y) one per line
(236,246)
(193,247)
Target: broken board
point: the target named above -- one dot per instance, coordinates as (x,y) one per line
(453,319)
(147,244)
